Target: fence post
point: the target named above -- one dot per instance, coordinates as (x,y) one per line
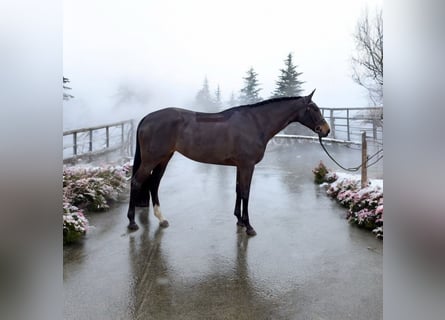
(332,123)
(122,134)
(347,124)
(74,143)
(364,177)
(91,141)
(132,134)
(107,128)
(122,139)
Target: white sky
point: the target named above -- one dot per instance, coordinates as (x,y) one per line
(168,47)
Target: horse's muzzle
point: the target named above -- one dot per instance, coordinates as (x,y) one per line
(323,129)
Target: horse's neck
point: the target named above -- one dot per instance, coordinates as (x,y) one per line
(275,117)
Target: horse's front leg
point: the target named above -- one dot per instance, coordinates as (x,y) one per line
(245,181)
(245,218)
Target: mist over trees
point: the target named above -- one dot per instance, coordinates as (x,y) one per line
(130,95)
(288,83)
(367,62)
(233,101)
(208,102)
(204,100)
(218,102)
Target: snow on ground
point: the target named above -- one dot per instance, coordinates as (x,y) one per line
(374,183)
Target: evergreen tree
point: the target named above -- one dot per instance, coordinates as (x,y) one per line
(249,94)
(288,83)
(128,94)
(203,99)
(233,101)
(218,102)
(66,96)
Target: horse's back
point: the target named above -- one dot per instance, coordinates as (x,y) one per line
(158,131)
(219,138)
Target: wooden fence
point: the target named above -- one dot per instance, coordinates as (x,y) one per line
(93,141)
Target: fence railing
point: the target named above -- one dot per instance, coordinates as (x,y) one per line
(349,123)
(355,127)
(93,141)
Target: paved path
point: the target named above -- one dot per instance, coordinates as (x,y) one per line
(305,263)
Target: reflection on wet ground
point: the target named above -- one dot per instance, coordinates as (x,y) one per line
(305,263)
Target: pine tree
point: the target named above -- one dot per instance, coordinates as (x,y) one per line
(218,102)
(288,83)
(66,96)
(233,101)
(203,99)
(249,94)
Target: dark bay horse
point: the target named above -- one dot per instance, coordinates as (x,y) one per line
(235,137)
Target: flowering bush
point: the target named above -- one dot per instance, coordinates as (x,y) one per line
(90,189)
(365,205)
(75,224)
(93,188)
(322,174)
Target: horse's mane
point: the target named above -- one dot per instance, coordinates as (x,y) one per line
(261,103)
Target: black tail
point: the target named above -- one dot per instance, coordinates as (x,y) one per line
(143,197)
(137,157)
(137,154)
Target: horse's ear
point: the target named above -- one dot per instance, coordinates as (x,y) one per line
(310,96)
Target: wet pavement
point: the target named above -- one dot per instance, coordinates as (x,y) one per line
(306,262)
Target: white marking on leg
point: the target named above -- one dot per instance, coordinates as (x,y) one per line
(158,213)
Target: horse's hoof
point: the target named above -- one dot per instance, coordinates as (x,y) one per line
(164,224)
(240,224)
(133,226)
(251,232)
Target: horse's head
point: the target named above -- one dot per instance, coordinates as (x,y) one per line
(312,118)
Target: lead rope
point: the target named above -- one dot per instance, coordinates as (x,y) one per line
(353,169)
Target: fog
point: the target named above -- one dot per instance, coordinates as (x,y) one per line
(125,59)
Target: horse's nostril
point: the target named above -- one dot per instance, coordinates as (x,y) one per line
(318,129)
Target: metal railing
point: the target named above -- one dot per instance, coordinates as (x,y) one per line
(350,127)
(98,140)
(349,123)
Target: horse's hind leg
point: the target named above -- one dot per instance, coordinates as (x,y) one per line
(237,211)
(143,198)
(141,176)
(155,180)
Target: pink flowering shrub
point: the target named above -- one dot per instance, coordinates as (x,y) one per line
(90,189)
(343,190)
(365,206)
(127,169)
(75,224)
(93,188)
